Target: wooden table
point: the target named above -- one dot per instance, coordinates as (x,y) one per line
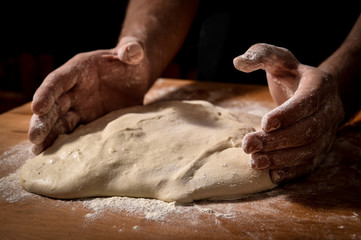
(324,205)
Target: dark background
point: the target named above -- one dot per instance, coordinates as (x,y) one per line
(37,38)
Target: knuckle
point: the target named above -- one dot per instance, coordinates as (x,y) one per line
(312,131)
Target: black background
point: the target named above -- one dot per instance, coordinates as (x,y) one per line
(221,31)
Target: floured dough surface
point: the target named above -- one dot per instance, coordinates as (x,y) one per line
(173,151)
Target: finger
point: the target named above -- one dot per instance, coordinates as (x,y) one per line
(302,132)
(55,84)
(62,126)
(305,102)
(131,51)
(285,158)
(279,176)
(275,60)
(292,157)
(40,126)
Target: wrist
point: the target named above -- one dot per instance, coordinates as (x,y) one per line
(343,65)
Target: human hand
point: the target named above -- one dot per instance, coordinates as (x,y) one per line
(85,88)
(297,134)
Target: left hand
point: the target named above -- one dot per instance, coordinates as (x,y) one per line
(86,87)
(297,134)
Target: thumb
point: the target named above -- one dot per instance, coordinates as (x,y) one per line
(274,60)
(130,51)
(281,66)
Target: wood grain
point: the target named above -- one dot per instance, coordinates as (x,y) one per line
(323,205)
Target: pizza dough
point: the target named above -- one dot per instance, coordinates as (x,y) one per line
(173,151)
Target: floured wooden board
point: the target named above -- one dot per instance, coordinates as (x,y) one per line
(325,205)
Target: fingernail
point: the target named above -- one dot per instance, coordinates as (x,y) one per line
(278,176)
(253,145)
(37,149)
(272,124)
(262,162)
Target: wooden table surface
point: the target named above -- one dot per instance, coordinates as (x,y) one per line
(324,205)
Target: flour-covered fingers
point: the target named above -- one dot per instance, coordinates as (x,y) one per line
(54,86)
(291,157)
(281,175)
(301,133)
(289,137)
(284,158)
(64,125)
(40,126)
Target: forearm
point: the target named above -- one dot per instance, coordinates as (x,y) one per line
(345,65)
(161,27)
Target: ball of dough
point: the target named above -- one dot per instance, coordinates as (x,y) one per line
(173,151)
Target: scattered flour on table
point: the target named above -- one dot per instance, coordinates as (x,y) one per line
(15,157)
(11,160)
(11,190)
(156,210)
(152,209)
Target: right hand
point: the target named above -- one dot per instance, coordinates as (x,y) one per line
(86,87)
(296,135)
